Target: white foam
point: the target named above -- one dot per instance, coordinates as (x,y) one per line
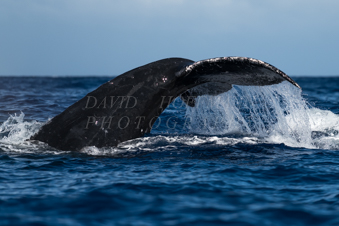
(15,130)
(161,143)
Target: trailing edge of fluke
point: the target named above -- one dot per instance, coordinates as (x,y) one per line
(126,107)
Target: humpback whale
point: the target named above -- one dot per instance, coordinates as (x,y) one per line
(126,107)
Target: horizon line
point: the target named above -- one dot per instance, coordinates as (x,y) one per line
(55,76)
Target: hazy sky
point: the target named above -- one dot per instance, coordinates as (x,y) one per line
(109,37)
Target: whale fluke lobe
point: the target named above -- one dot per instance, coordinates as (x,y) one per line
(217,75)
(127,106)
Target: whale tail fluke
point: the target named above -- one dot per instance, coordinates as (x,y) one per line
(127,106)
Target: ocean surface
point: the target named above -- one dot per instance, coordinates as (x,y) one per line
(251,156)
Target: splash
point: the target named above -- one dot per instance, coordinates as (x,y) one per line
(15,130)
(325,128)
(276,113)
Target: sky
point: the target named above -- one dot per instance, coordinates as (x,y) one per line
(110,37)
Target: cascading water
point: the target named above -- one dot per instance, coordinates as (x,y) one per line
(276,113)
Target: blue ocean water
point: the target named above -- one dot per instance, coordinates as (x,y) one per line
(251,156)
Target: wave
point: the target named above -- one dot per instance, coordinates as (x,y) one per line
(250,115)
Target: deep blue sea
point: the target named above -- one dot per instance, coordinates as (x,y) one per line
(251,156)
